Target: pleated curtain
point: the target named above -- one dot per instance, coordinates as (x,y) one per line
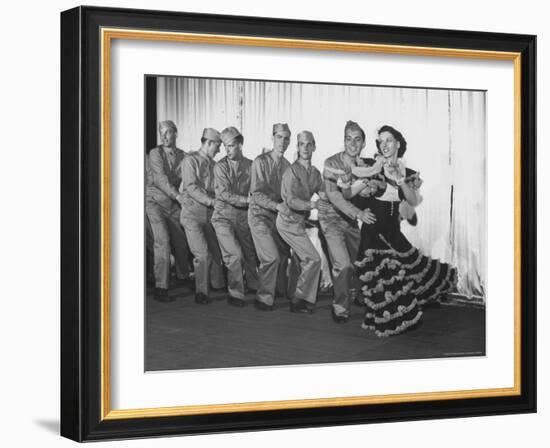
(445,132)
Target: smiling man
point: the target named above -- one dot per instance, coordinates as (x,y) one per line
(338,220)
(197,200)
(230,218)
(162,180)
(265,201)
(300,182)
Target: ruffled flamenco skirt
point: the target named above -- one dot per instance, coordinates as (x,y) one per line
(398,281)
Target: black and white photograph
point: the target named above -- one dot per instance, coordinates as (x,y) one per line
(296,221)
(275,224)
(291,223)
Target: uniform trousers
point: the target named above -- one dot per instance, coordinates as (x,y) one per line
(237,249)
(273,254)
(204,246)
(293,232)
(343,240)
(168,236)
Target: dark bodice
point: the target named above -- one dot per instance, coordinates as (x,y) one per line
(385,210)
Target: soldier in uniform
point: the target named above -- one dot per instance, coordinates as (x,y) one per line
(197,200)
(162,180)
(265,202)
(338,220)
(230,218)
(300,182)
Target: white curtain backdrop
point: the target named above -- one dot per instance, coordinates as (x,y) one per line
(445,132)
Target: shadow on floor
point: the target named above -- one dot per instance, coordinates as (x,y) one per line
(185,335)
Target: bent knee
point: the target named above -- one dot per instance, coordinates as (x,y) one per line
(202,256)
(270,259)
(233,259)
(161,241)
(313,260)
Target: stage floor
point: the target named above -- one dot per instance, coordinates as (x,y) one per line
(185,335)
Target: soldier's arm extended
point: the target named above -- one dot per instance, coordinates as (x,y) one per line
(223,190)
(259,185)
(335,196)
(358,186)
(290,186)
(191,182)
(160,178)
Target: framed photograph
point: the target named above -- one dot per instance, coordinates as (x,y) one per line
(273,224)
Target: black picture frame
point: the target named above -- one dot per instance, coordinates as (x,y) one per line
(81,224)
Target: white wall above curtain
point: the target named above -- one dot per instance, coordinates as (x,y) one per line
(445,132)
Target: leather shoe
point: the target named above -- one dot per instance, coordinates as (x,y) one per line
(301,306)
(262,306)
(235,301)
(339,319)
(202,299)
(161,295)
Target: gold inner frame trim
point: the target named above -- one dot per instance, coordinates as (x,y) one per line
(107,35)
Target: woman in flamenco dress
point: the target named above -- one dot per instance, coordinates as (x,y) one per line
(397,280)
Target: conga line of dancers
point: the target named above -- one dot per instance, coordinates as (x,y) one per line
(248,225)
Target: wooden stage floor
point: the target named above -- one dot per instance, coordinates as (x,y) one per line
(184,335)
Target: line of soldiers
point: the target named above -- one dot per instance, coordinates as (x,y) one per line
(244,212)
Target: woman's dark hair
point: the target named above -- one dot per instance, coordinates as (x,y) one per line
(397,135)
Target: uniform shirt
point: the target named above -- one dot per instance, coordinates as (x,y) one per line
(298,186)
(232,182)
(265,182)
(332,203)
(197,186)
(149,181)
(163,175)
